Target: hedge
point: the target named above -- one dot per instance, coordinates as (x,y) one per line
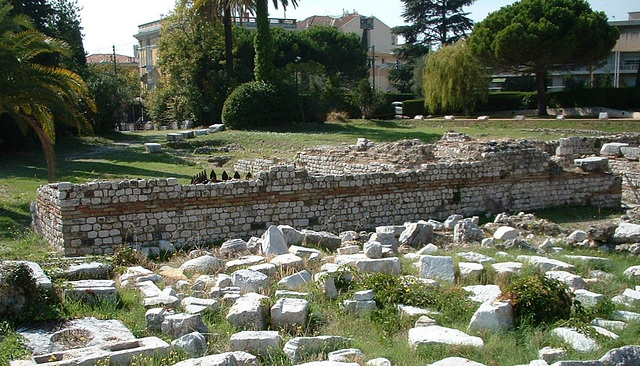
(616,98)
(413,107)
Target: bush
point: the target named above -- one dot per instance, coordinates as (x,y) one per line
(336,116)
(507,101)
(413,107)
(259,104)
(617,98)
(371,102)
(539,300)
(21,299)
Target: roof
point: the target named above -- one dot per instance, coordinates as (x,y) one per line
(332,21)
(103,58)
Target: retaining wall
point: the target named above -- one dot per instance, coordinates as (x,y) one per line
(93,218)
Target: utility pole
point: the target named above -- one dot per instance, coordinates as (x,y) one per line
(115,67)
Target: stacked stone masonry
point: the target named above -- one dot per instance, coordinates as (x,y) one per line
(96,217)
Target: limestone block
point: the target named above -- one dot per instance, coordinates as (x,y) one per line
(575,339)
(631,153)
(390,266)
(577,236)
(327,285)
(349,235)
(587,298)
(233,246)
(631,297)
(493,316)
(406,310)
(451,221)
(428,249)
(169,301)
(470,270)
(625,316)
(626,355)
(466,231)
(571,280)
(436,334)
(244,261)
(291,235)
(416,234)
(289,313)
(505,233)
(519,117)
(504,268)
(152,147)
(154,318)
(321,239)
(550,355)
(437,268)
(212,304)
(304,252)
(247,312)
(216,128)
(364,295)
(456,361)
(273,242)
(173,137)
(483,293)
(425,321)
(288,262)
(205,264)
(373,249)
(92,290)
(295,281)
(612,149)
(42,280)
(259,343)
(177,325)
(627,233)
(346,355)
(250,281)
(299,347)
(546,264)
(483,118)
(193,343)
(592,164)
(475,257)
(449,118)
(269,269)
(612,325)
(359,307)
(88,271)
(350,249)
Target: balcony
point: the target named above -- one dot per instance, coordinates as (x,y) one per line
(250,22)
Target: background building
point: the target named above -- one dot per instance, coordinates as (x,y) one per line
(147,52)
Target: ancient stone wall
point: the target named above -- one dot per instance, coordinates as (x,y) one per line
(629,170)
(94,218)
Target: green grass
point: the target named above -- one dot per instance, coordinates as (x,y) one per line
(122,156)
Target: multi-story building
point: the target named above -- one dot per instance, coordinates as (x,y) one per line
(381,42)
(147,52)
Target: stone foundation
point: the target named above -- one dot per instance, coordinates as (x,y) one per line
(96,217)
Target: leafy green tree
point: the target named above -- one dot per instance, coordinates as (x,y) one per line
(222,10)
(430,23)
(367,98)
(33,95)
(58,19)
(533,36)
(113,95)
(263,44)
(453,79)
(191,55)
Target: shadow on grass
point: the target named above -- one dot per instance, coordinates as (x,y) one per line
(12,219)
(387,131)
(570,214)
(86,171)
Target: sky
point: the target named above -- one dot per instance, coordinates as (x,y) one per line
(114,22)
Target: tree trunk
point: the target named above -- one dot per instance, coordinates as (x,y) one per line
(47,148)
(542,91)
(263,44)
(228,42)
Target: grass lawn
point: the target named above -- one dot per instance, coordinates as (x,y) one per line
(122,156)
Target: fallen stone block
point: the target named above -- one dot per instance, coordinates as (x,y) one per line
(259,343)
(594,164)
(288,313)
(250,281)
(456,361)
(437,268)
(216,128)
(152,147)
(177,325)
(92,290)
(436,334)
(302,347)
(295,280)
(493,316)
(192,343)
(88,271)
(390,266)
(247,312)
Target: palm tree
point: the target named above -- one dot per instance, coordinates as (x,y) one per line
(212,9)
(216,10)
(36,96)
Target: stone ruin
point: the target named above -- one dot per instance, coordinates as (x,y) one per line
(328,189)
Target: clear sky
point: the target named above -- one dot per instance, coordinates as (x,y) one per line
(114,22)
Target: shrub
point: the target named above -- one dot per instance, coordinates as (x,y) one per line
(371,102)
(413,107)
(21,299)
(259,104)
(506,101)
(618,98)
(539,300)
(337,116)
